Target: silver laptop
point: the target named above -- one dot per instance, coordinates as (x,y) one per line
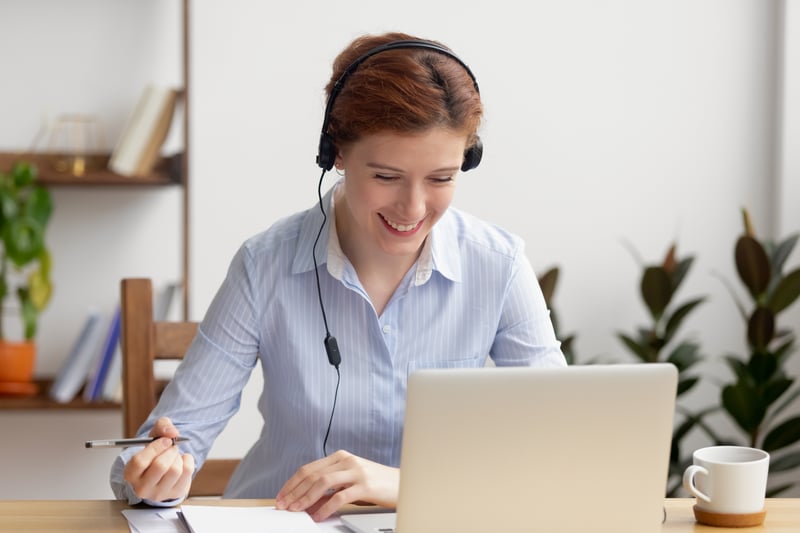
(572,450)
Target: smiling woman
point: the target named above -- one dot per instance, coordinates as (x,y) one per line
(410,282)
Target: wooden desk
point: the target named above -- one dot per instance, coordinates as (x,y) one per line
(783,516)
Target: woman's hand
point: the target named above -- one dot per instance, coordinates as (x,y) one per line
(159,472)
(325,485)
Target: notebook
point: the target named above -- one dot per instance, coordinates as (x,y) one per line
(575,449)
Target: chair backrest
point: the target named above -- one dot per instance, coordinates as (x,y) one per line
(143,340)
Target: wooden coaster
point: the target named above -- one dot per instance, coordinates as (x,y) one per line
(729,520)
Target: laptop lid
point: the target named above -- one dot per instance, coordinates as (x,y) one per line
(576,449)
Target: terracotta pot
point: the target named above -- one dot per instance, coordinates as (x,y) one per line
(17,361)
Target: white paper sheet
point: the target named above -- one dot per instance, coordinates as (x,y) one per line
(213,519)
(227,518)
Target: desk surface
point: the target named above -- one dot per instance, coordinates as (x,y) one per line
(783,515)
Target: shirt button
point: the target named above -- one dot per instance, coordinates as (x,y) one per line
(387,328)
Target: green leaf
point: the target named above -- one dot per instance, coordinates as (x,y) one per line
(782,252)
(566,349)
(697,420)
(28,312)
(752,264)
(775,390)
(547,282)
(674,321)
(785,403)
(39,205)
(642,352)
(656,290)
(40,289)
(774,492)
(24,239)
(786,292)
(738,366)
(686,385)
(748,224)
(783,352)
(744,405)
(783,435)
(682,430)
(45,262)
(761,328)
(24,173)
(680,272)
(786,462)
(684,355)
(761,367)
(8,205)
(648,337)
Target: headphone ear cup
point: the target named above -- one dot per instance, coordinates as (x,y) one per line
(326,156)
(472,156)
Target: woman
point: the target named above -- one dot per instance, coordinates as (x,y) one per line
(384,262)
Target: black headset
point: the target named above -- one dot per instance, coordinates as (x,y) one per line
(327,148)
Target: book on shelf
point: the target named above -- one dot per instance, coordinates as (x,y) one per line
(93,390)
(139,145)
(72,374)
(163,304)
(112,388)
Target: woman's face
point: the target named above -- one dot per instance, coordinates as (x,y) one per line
(396,188)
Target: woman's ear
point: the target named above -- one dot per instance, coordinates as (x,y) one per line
(339,161)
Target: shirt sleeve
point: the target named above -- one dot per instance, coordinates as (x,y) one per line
(525,334)
(206,390)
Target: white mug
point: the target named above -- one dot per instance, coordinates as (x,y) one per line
(728,479)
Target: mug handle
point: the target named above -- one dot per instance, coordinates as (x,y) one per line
(688,481)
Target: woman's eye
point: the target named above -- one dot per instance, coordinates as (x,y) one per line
(384,177)
(442,179)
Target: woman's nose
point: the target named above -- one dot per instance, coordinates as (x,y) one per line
(412,201)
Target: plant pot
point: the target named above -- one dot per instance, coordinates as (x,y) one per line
(16,368)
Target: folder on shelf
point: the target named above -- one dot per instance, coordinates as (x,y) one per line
(139,146)
(73,372)
(93,391)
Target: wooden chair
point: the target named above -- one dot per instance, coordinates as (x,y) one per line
(143,341)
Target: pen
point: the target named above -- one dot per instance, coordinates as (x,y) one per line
(124,443)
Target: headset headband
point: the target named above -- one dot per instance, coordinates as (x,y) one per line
(326,154)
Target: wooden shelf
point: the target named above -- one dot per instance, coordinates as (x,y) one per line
(41,400)
(167,172)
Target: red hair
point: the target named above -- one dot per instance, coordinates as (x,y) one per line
(406,90)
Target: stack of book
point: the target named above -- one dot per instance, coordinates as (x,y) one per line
(93,368)
(95,356)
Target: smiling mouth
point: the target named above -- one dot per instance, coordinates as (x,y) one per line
(403,228)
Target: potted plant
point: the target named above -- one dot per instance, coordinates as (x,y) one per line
(25,209)
(657,342)
(762,390)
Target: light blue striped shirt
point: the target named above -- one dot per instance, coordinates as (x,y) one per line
(472,294)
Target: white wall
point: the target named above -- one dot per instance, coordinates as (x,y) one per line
(645,121)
